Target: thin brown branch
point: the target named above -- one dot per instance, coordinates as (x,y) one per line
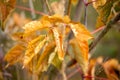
(31,10)
(69,7)
(105,30)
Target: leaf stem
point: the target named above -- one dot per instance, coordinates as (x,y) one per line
(105,30)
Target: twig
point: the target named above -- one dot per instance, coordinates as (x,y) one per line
(101,28)
(69,8)
(85,13)
(31,10)
(105,30)
(77,11)
(32,7)
(90,77)
(48,6)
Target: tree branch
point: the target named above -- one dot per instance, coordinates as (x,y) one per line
(105,30)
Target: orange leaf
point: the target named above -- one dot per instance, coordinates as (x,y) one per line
(30,52)
(82,35)
(45,55)
(59,43)
(15,54)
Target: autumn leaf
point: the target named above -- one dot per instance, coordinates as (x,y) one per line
(15,54)
(30,51)
(6,6)
(111,67)
(55,18)
(98,3)
(79,57)
(82,36)
(50,44)
(105,11)
(33,26)
(45,55)
(59,43)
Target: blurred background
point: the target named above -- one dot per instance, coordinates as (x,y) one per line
(108,47)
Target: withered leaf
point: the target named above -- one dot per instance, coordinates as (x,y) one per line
(105,11)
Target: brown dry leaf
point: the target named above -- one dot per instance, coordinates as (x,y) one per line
(59,43)
(111,67)
(105,9)
(6,6)
(15,54)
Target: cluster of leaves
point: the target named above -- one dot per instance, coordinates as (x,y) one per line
(111,68)
(44,41)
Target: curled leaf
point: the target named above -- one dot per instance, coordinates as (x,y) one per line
(59,43)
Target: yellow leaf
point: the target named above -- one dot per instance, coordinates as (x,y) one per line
(105,11)
(52,56)
(33,26)
(79,57)
(15,54)
(30,52)
(39,46)
(98,3)
(82,36)
(56,18)
(99,22)
(111,67)
(59,43)
(45,55)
